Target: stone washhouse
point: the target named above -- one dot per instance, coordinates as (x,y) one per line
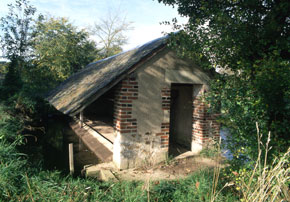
(139,106)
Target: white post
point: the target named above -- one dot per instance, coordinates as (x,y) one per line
(81,119)
(71,158)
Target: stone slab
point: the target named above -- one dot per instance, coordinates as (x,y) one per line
(102,152)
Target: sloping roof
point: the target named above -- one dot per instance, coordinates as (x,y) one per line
(91,82)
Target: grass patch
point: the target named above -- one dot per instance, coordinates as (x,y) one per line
(197,187)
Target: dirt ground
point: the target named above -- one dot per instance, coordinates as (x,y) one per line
(176,168)
(173,169)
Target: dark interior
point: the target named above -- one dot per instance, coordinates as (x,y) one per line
(180,137)
(102,109)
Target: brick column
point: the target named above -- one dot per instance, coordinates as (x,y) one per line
(164,135)
(125,124)
(205,128)
(126,92)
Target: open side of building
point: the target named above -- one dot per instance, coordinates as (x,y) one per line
(139,106)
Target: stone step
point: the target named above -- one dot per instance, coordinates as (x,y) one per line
(103,172)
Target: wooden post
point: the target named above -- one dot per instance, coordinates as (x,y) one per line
(71,158)
(81,119)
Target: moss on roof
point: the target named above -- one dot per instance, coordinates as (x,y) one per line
(88,84)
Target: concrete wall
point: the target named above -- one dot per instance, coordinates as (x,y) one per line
(151,109)
(158,73)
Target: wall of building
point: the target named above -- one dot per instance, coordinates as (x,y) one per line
(205,128)
(142,108)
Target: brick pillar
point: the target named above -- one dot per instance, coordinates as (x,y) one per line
(164,135)
(126,92)
(124,123)
(205,128)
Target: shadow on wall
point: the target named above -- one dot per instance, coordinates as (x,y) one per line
(151,82)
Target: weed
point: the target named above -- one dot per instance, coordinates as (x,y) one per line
(263,182)
(169,160)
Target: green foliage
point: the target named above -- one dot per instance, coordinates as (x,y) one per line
(16,40)
(194,188)
(16,30)
(10,166)
(248,41)
(60,50)
(258,90)
(259,181)
(11,161)
(53,186)
(12,81)
(3,67)
(42,52)
(244,101)
(22,180)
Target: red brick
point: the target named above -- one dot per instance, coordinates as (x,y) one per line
(126,94)
(125,131)
(132,90)
(131,120)
(125,116)
(126,101)
(126,86)
(131,127)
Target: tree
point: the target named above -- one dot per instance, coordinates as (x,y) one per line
(16,37)
(251,40)
(110,32)
(60,49)
(16,29)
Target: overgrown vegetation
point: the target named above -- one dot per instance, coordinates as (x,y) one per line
(248,42)
(263,182)
(256,90)
(60,50)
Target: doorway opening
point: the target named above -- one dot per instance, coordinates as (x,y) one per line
(180,137)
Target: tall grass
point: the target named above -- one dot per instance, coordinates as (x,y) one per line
(21,180)
(265,182)
(261,182)
(197,187)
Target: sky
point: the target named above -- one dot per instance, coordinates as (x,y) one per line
(145,15)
